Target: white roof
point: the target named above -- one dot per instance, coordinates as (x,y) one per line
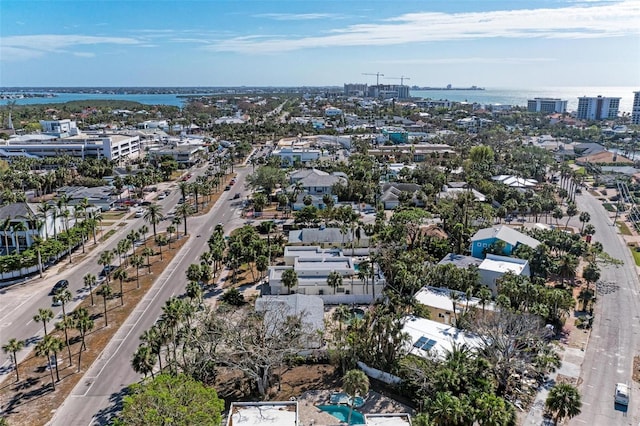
(439,297)
(503,264)
(259,414)
(390,419)
(438,338)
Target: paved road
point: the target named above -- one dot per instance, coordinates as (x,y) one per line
(19,303)
(98,394)
(614,338)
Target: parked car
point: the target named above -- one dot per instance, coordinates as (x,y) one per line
(236,196)
(227,188)
(621,395)
(60,285)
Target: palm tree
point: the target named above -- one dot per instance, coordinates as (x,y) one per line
(43,209)
(334,280)
(13,346)
(170,230)
(354,383)
(143,231)
(563,401)
(153,215)
(143,360)
(184,210)
(82,323)
(45,348)
(6,228)
(106,292)
(65,324)
(484,295)
(289,279)
(153,339)
(121,275)
(137,261)
(160,241)
(63,296)
(37,246)
(148,251)
(105,259)
(44,316)
(90,281)
(16,228)
(567,267)
(194,291)
(584,218)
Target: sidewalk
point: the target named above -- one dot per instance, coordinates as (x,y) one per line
(569,371)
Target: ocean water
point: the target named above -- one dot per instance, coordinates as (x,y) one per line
(519,97)
(505,96)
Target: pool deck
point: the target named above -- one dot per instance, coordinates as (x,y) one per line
(374,403)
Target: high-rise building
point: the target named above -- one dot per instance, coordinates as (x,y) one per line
(355,89)
(635,111)
(546,105)
(597,108)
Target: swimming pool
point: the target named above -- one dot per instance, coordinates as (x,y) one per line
(341,413)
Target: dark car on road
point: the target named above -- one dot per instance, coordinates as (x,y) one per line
(60,285)
(236,196)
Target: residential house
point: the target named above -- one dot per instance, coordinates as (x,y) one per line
(440,303)
(451,191)
(316,182)
(493,267)
(387,419)
(515,181)
(310,308)
(281,413)
(431,337)
(332,237)
(313,266)
(391,194)
(485,238)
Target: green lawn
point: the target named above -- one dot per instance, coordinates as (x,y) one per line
(624,229)
(636,256)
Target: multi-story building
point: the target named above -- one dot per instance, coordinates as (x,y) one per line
(547,105)
(635,112)
(355,89)
(597,108)
(62,137)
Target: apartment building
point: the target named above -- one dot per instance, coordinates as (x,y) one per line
(635,112)
(547,105)
(597,108)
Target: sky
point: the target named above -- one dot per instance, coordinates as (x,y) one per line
(488,43)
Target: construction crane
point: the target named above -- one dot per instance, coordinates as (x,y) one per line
(378,75)
(401,78)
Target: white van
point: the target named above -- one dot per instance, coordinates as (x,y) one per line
(139,212)
(622,394)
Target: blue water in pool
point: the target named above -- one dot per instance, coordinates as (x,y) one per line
(341,413)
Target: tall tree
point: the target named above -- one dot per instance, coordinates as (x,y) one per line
(43,316)
(180,398)
(289,279)
(121,275)
(153,215)
(355,383)
(334,280)
(83,323)
(13,346)
(63,296)
(106,292)
(564,401)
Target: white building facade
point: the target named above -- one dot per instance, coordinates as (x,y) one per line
(597,108)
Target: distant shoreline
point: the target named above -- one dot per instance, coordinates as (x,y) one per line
(448,88)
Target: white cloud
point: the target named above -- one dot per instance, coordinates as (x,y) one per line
(296,16)
(573,22)
(466,60)
(13,48)
(84,54)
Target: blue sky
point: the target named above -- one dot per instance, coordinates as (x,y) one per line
(490,43)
